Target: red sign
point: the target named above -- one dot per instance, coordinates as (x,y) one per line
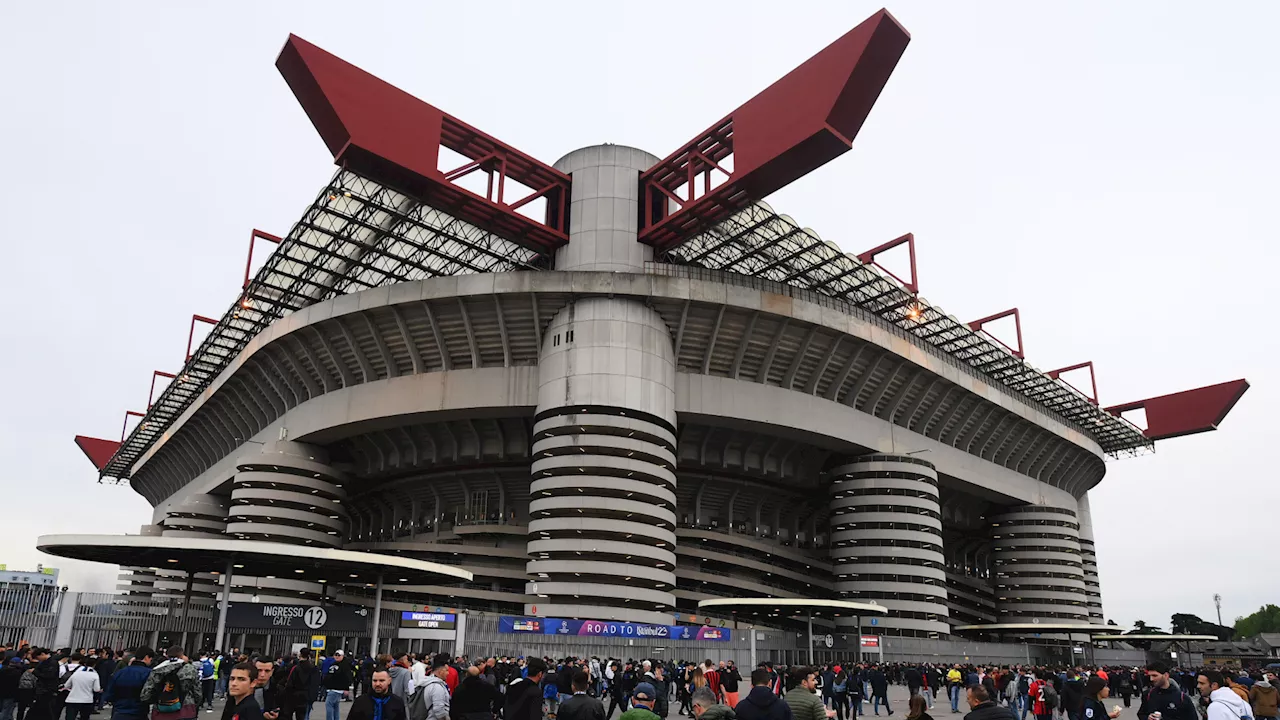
(872,641)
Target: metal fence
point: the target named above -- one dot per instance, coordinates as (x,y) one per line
(51,617)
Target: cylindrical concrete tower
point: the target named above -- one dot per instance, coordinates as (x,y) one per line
(288,493)
(886,541)
(198,515)
(602,510)
(1038,572)
(1089,560)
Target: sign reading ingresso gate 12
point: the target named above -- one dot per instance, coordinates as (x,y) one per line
(332,619)
(609,628)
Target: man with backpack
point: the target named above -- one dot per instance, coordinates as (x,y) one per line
(208,681)
(301,687)
(1043,696)
(430,699)
(173,687)
(81,685)
(1165,698)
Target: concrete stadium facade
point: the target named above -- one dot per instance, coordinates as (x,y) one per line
(619,438)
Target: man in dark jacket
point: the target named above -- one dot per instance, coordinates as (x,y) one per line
(1073,695)
(982,707)
(124,688)
(762,703)
(380,703)
(337,679)
(524,694)
(1172,702)
(47,676)
(581,706)
(301,686)
(879,689)
(106,666)
(475,698)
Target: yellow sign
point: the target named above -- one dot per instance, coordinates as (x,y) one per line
(317,642)
(3,567)
(47,571)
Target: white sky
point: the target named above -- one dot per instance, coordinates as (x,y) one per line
(1109,168)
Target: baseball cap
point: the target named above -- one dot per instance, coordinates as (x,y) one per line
(338,653)
(644,691)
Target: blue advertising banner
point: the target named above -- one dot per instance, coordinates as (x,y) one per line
(609,628)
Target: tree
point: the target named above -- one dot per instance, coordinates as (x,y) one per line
(1141,628)
(1187,624)
(1266,620)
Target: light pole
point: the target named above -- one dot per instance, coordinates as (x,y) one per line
(1217,603)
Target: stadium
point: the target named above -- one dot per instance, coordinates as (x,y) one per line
(617,386)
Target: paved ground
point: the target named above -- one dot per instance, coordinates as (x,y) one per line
(941,710)
(897,700)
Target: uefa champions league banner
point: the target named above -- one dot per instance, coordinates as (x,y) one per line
(608,628)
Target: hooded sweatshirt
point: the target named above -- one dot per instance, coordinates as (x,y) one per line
(401,680)
(763,704)
(1224,704)
(1265,698)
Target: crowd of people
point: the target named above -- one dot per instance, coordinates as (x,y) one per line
(143,684)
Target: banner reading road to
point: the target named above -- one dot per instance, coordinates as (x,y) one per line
(609,628)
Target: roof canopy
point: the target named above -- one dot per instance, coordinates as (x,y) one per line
(250,557)
(1170,638)
(1044,627)
(791,607)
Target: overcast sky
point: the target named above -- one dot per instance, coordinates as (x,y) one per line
(1109,168)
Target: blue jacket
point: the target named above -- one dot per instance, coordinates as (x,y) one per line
(124,688)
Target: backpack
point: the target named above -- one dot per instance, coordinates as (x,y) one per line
(169,699)
(1049,695)
(28,680)
(839,686)
(417,707)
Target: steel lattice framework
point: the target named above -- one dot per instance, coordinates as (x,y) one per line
(759,242)
(358,234)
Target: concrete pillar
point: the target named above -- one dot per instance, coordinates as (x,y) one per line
(377,615)
(865,496)
(287,492)
(1089,561)
(223,601)
(602,514)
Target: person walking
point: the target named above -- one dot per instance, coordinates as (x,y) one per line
(729,680)
(879,689)
(840,692)
(337,681)
(82,685)
(208,681)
